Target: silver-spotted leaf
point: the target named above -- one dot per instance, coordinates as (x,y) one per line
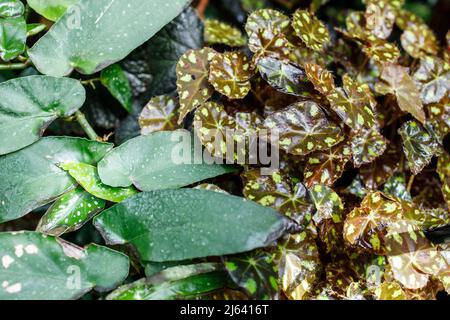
(432,79)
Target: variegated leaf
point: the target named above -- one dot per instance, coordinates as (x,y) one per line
(311,30)
(218,32)
(160,114)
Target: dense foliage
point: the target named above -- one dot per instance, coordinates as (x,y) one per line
(95,96)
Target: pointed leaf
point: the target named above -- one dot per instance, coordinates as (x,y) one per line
(30,104)
(311,30)
(115,80)
(51,9)
(192,80)
(367,145)
(418,40)
(36,266)
(13,35)
(328,203)
(303,128)
(217,32)
(87,176)
(81,32)
(432,79)
(322,79)
(30,178)
(396,186)
(158,161)
(174,225)
(381,51)
(70,212)
(160,114)
(380,18)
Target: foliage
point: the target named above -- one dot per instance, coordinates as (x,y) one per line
(263,149)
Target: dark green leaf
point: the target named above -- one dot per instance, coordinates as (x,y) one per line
(11,8)
(115,80)
(174,225)
(13,35)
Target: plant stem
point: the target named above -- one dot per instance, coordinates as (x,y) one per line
(410,183)
(15,66)
(81,118)
(90,82)
(201,7)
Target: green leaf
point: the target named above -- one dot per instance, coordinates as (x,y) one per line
(181,282)
(396,186)
(398,82)
(160,114)
(80,34)
(13,35)
(160,160)
(284,77)
(311,30)
(381,51)
(30,104)
(87,176)
(11,8)
(278,192)
(328,203)
(303,128)
(174,225)
(217,32)
(36,266)
(256,273)
(418,145)
(51,9)
(70,212)
(367,145)
(30,178)
(115,80)
(192,80)
(230,74)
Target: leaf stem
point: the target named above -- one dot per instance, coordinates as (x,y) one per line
(90,132)
(90,82)
(15,66)
(410,183)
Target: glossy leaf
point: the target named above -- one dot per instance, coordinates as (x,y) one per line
(217,32)
(322,79)
(30,104)
(230,74)
(278,192)
(311,30)
(433,79)
(418,40)
(380,18)
(299,265)
(13,35)
(400,84)
(160,114)
(443,169)
(158,161)
(192,80)
(182,282)
(390,291)
(439,118)
(366,146)
(326,167)
(396,186)
(328,203)
(31,178)
(51,9)
(80,34)
(36,266)
(115,80)
(11,8)
(70,212)
(174,225)
(87,176)
(353,104)
(418,145)
(284,77)
(381,51)
(381,169)
(303,128)
(256,273)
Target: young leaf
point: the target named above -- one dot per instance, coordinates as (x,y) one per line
(322,79)
(367,145)
(311,30)
(36,266)
(303,128)
(80,35)
(284,77)
(115,80)
(276,191)
(230,73)
(11,8)
(30,104)
(299,265)
(30,178)
(223,33)
(418,40)
(87,176)
(13,35)
(432,79)
(399,83)
(158,161)
(182,282)
(353,104)
(174,225)
(254,272)
(325,167)
(51,9)
(418,145)
(70,212)
(160,114)
(192,80)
